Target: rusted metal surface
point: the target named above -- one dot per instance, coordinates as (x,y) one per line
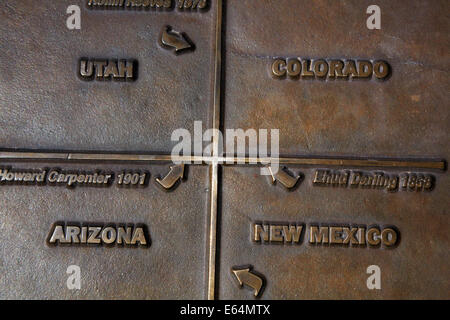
(405,116)
(172,267)
(215,65)
(414,269)
(46,106)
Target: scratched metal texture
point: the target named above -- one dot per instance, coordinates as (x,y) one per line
(172,267)
(417,268)
(44,104)
(405,116)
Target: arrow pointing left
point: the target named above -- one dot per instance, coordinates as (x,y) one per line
(244,276)
(176,173)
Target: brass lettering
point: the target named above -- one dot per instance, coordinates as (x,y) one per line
(293,67)
(258,229)
(336,235)
(124,236)
(322,68)
(389,237)
(138,236)
(306,72)
(279,68)
(275,234)
(350,69)
(72,234)
(336,67)
(381,69)
(318,235)
(97,235)
(107,69)
(58,235)
(93,236)
(109,235)
(365,69)
(373,237)
(350,235)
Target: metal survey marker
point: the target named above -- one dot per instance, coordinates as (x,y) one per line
(224,149)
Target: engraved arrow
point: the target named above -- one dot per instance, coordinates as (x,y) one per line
(175,39)
(244,276)
(176,172)
(286,179)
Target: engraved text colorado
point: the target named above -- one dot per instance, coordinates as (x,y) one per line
(329,69)
(407,181)
(345,235)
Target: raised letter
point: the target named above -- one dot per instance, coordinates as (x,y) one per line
(318,237)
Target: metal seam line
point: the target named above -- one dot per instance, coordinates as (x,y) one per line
(214,164)
(216,159)
(328,161)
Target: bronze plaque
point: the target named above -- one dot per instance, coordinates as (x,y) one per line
(209,149)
